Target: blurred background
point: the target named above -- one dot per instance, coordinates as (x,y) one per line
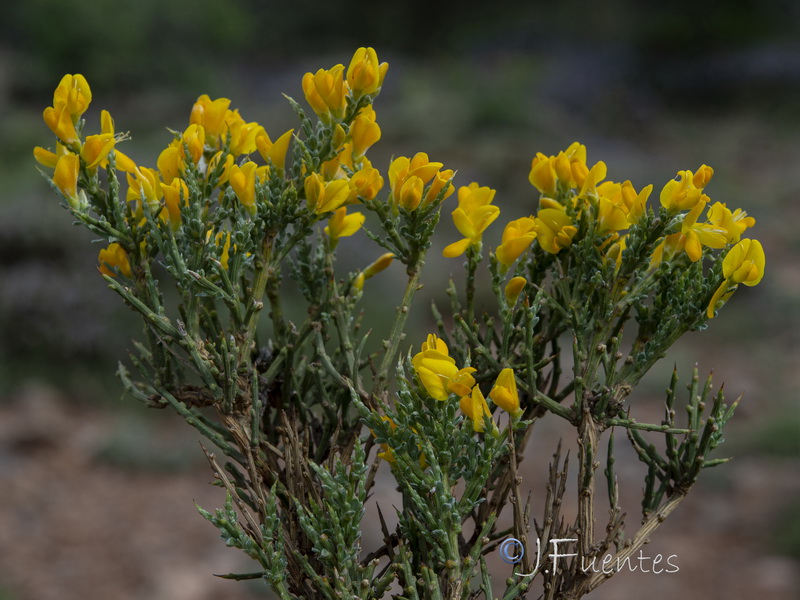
(96,492)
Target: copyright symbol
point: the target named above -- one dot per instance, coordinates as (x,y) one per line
(512,550)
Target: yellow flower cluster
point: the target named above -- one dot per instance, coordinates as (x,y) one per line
(441,377)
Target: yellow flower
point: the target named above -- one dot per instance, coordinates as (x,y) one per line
(475,407)
(144,185)
(96,148)
(66,178)
(543,174)
(504,393)
(696,235)
(681,194)
(387,454)
(365,75)
(241,135)
(170,162)
(595,175)
(342,225)
(401,170)
(326,197)
(554,230)
(364,132)
(243,182)
(734,223)
(382,263)
(49,159)
(702,176)
(123,161)
(114,256)
(438,183)
(73,92)
(60,123)
(194,138)
(513,289)
(274,152)
(624,197)
(367,182)
(614,252)
(438,373)
(473,215)
(744,263)
(210,115)
(176,194)
(517,236)
(326,92)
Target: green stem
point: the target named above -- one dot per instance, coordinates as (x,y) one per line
(396,333)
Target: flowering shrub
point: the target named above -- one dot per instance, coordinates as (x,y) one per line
(234,217)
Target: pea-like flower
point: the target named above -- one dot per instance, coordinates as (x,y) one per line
(733,223)
(274,152)
(73,92)
(682,193)
(114,257)
(243,182)
(420,170)
(343,225)
(438,372)
(144,185)
(324,196)
(365,75)
(475,407)
(504,393)
(517,237)
(375,267)
(514,288)
(473,215)
(367,182)
(96,148)
(210,115)
(554,230)
(66,179)
(744,263)
(364,132)
(59,120)
(176,195)
(326,92)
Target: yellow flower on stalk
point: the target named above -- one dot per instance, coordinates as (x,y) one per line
(692,237)
(170,162)
(59,120)
(682,193)
(342,225)
(210,115)
(332,168)
(274,152)
(123,161)
(325,197)
(242,180)
(745,264)
(473,215)
(145,186)
(591,179)
(176,195)
(734,223)
(326,92)
(364,132)
(241,135)
(438,373)
(367,182)
(442,180)
(95,149)
(194,138)
(624,196)
(375,267)
(73,92)
(513,289)
(65,177)
(702,176)
(365,75)
(114,256)
(614,252)
(47,158)
(401,170)
(554,230)
(543,174)
(475,407)
(504,393)
(517,237)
